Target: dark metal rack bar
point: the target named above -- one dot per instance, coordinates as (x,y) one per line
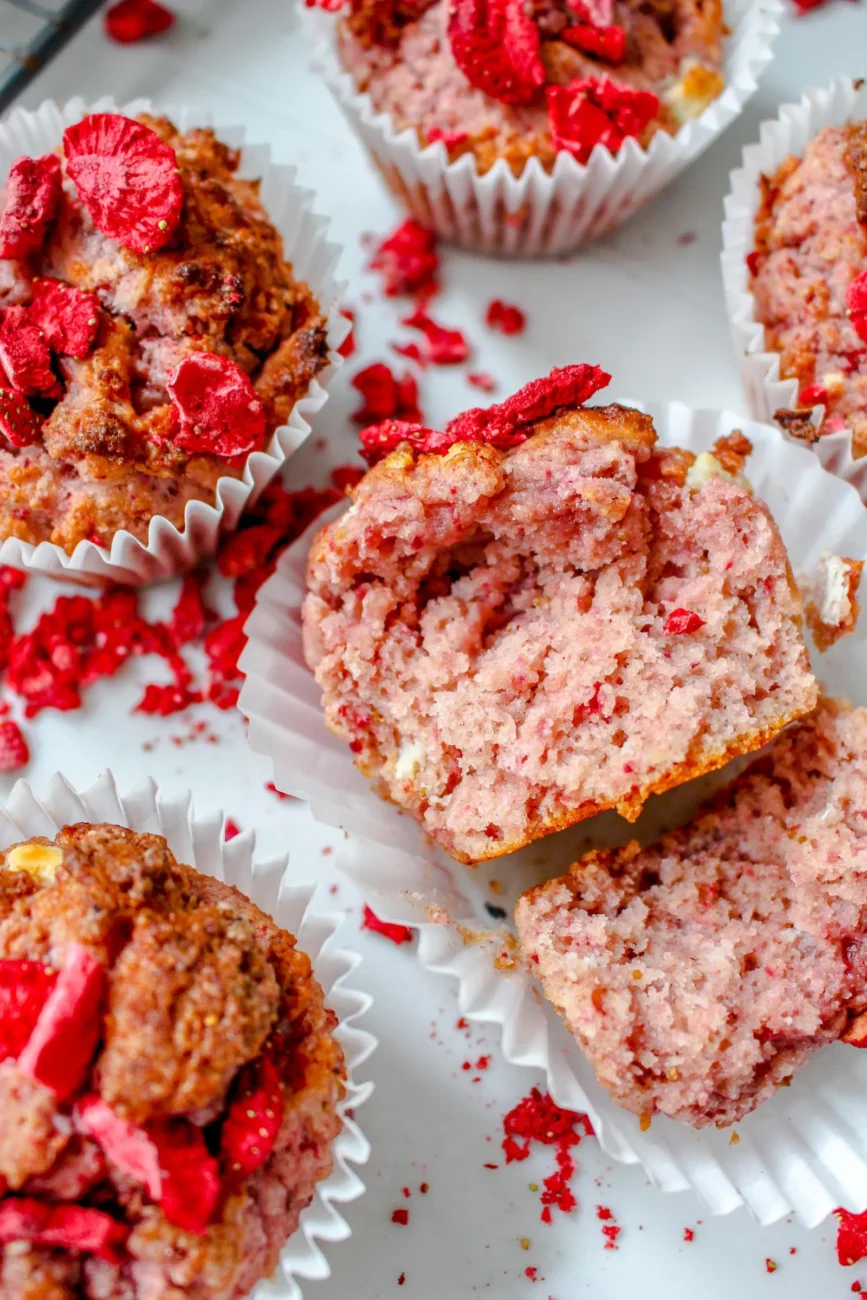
(31,33)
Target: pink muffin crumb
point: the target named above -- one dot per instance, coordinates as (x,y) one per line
(698,975)
(511,641)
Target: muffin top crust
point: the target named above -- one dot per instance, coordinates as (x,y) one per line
(808,273)
(151,333)
(168,1075)
(500,79)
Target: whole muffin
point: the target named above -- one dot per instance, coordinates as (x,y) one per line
(151,334)
(168,1076)
(808,273)
(699,975)
(538,614)
(499,79)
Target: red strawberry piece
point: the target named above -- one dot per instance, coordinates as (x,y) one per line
(33,189)
(127,1146)
(445,347)
(24,990)
(134,20)
(407,260)
(219,412)
(329,6)
(59,1051)
(68,317)
(167,698)
(496,46)
(856,305)
(395,933)
(451,139)
(189,614)
(482,379)
(504,317)
(682,621)
(598,12)
(127,178)
(813,395)
(190,1175)
(345,477)
(385,396)
(247,551)
(347,347)
(851,1236)
(25,356)
(501,424)
(377,440)
(69,1227)
(254,1117)
(20,425)
(596,110)
(14,752)
(607,43)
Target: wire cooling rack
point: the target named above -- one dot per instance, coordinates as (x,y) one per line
(31,33)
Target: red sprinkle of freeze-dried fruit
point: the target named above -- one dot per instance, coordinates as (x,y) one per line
(127,178)
(482,380)
(597,110)
(444,347)
(330,6)
(400,1217)
(24,990)
(378,440)
(385,396)
(537,1118)
(607,43)
(68,1227)
(851,1236)
(856,305)
(254,1117)
(396,933)
(67,317)
(59,1051)
(13,747)
(451,139)
(130,21)
(33,190)
(496,45)
(813,395)
(19,423)
(347,347)
(190,1176)
(407,260)
(24,355)
(504,317)
(218,410)
(681,622)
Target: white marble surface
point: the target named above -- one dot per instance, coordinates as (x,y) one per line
(648,308)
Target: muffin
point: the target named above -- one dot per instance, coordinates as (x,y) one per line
(501,82)
(516,82)
(151,334)
(699,975)
(808,275)
(169,1080)
(538,614)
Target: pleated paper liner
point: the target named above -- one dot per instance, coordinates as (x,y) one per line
(540,213)
(199,842)
(170,550)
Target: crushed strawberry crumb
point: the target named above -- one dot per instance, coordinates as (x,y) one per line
(14,753)
(401,1217)
(398,934)
(504,317)
(407,260)
(231,829)
(538,1119)
(443,347)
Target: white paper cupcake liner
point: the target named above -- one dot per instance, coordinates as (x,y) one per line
(789,133)
(169,550)
(541,213)
(199,842)
(803,1152)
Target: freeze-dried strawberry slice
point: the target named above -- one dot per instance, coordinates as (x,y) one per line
(19,423)
(851,1236)
(14,752)
(856,305)
(24,355)
(33,190)
(24,990)
(68,317)
(596,110)
(502,425)
(130,21)
(506,318)
(219,412)
(253,1121)
(127,178)
(608,43)
(59,1051)
(445,347)
(385,396)
(127,1146)
(189,1173)
(377,440)
(69,1227)
(496,46)
(407,260)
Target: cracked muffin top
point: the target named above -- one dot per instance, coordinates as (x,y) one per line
(497,79)
(168,1075)
(151,333)
(549,615)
